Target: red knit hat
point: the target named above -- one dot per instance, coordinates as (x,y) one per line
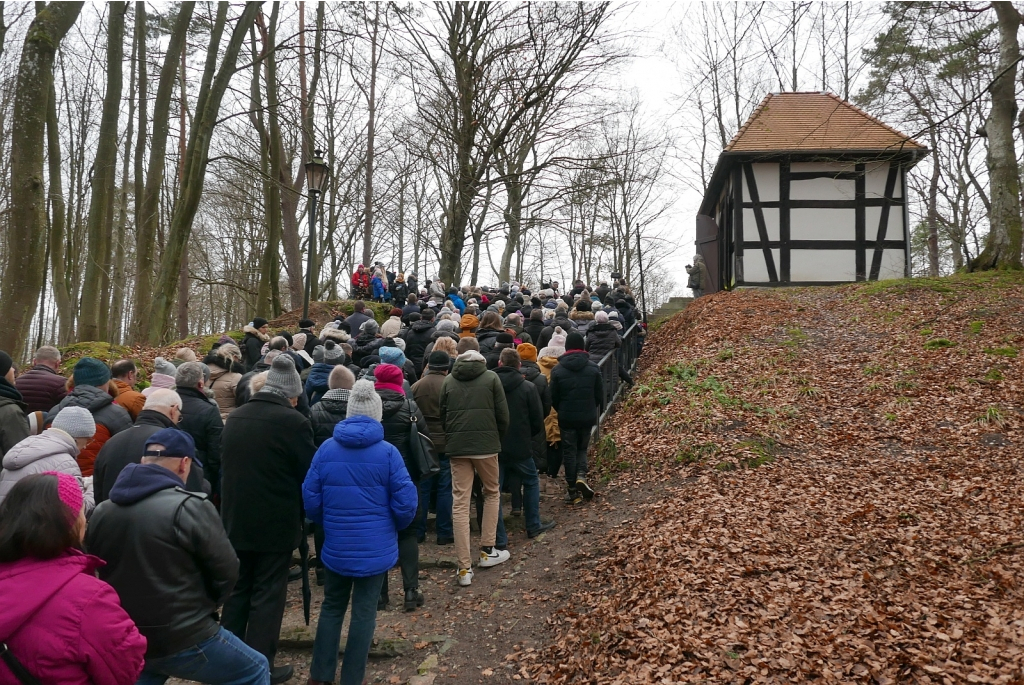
(388,377)
(69,491)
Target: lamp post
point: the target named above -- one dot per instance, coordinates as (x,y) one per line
(317,172)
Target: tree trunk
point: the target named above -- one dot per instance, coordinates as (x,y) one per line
(58,223)
(26,250)
(264,288)
(370,131)
(514,221)
(183,281)
(208,106)
(933,210)
(140,140)
(1003,243)
(115,324)
(95,298)
(147,220)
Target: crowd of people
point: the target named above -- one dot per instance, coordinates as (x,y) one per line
(150,534)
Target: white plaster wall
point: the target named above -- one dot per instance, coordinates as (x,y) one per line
(874,181)
(754,268)
(893,264)
(822,189)
(771,222)
(821,166)
(823,265)
(823,224)
(894,227)
(767,178)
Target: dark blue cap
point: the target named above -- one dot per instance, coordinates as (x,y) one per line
(177,444)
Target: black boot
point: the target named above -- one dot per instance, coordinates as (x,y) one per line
(413,599)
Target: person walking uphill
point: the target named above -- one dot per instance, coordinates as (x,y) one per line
(58,620)
(474,414)
(169,559)
(42,386)
(266,448)
(93,391)
(13,424)
(256,334)
(359,490)
(577,391)
(427,393)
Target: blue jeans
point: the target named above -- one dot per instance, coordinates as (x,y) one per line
(443,482)
(220,660)
(527,473)
(364,593)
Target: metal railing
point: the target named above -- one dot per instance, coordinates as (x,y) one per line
(624,357)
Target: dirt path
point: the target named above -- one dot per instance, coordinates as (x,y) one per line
(474,634)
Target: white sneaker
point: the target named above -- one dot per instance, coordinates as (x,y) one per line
(465,576)
(497,556)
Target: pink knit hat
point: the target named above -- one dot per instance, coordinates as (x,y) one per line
(69,491)
(388,377)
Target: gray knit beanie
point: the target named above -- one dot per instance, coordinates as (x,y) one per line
(446,326)
(363,400)
(161,365)
(369,326)
(76,422)
(318,354)
(333,354)
(282,377)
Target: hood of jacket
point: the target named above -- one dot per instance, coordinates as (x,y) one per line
(30,583)
(421,326)
(49,443)
(469,365)
(530,370)
(577,315)
(601,327)
(9,393)
(335,334)
(510,378)
(575,360)
(359,431)
(547,363)
(444,334)
(249,330)
(88,396)
(391,401)
(136,482)
(335,401)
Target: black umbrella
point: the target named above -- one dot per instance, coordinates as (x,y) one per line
(307,595)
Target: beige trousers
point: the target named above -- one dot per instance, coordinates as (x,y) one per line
(462,493)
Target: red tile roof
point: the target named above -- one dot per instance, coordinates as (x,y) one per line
(789,122)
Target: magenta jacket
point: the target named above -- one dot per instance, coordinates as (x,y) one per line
(65,625)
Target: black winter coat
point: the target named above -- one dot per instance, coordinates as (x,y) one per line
(560,322)
(487,337)
(252,346)
(577,390)
(417,337)
(41,387)
(534,329)
(311,340)
(355,320)
(127,447)
(602,338)
(398,410)
(526,417)
(200,418)
(365,345)
(167,556)
(327,413)
(266,449)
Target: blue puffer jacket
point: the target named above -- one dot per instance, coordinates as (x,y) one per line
(316,381)
(359,490)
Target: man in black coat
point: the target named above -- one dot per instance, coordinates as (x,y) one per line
(515,461)
(357,317)
(306,326)
(266,449)
(419,334)
(162,410)
(577,391)
(172,566)
(200,418)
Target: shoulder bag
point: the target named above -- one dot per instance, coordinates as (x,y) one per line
(423,461)
(19,671)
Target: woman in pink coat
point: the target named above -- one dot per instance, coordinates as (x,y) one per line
(58,621)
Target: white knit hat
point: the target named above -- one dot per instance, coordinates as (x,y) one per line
(76,422)
(363,400)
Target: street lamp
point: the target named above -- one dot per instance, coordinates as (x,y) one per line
(317,172)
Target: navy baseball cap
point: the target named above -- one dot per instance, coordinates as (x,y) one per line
(176,443)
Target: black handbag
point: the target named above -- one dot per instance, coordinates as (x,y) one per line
(19,671)
(423,461)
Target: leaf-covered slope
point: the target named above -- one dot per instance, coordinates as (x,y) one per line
(849,506)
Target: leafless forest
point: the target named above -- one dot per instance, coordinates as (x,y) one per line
(152,156)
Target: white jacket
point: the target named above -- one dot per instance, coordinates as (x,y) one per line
(51,450)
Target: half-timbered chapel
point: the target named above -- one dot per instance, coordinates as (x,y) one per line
(811,191)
